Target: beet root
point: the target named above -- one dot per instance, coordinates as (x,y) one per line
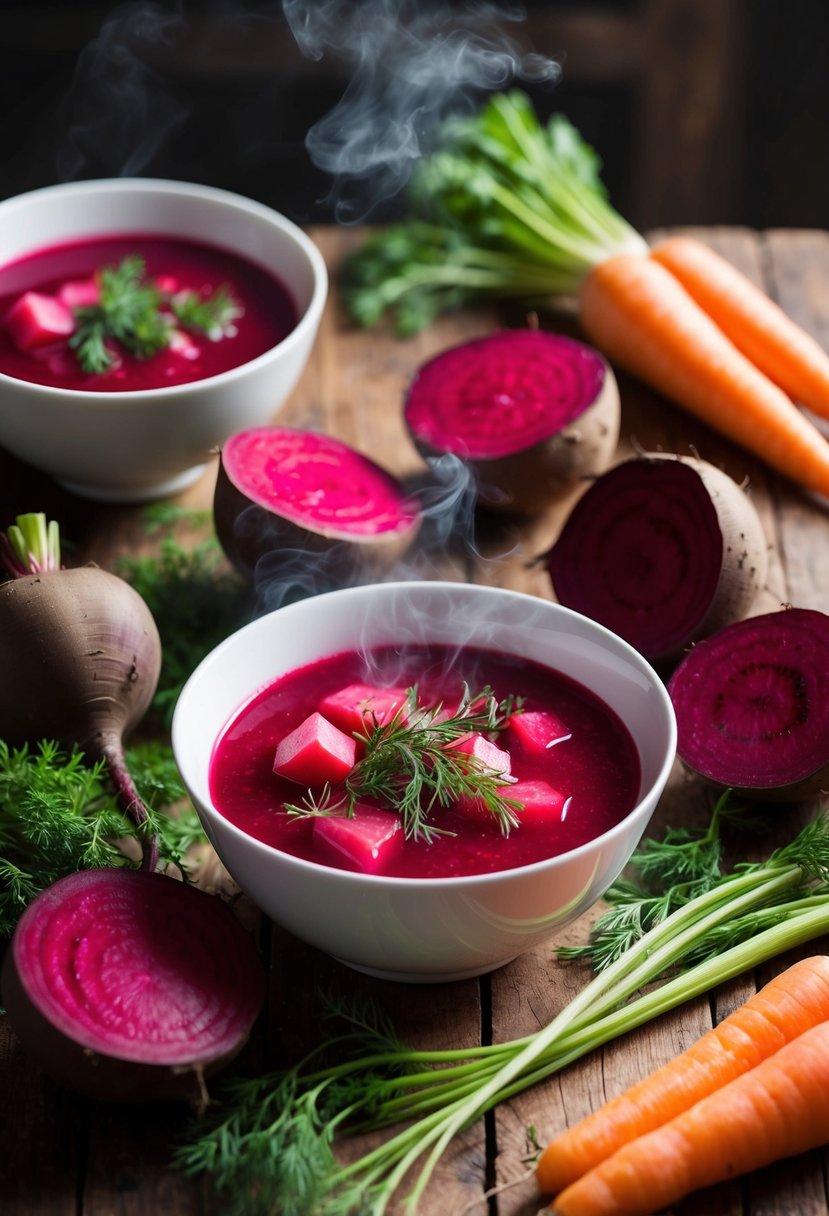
(663,550)
(80,658)
(284,494)
(751,707)
(131,987)
(531,413)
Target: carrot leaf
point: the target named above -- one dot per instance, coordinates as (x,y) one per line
(745,917)
(506,207)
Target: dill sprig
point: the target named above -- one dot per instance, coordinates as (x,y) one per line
(429,1097)
(135,314)
(673,870)
(128,312)
(59,814)
(195,600)
(409,765)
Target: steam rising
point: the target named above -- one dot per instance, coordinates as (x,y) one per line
(408,65)
(121,111)
(411,66)
(447,504)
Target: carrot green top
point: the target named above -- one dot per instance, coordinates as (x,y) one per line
(505,207)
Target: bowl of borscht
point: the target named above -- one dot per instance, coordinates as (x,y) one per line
(424,779)
(144,321)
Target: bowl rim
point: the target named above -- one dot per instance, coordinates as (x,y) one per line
(380,882)
(307,321)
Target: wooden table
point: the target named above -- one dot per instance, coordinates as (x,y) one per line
(63,1156)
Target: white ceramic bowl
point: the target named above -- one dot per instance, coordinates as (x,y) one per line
(134,446)
(408,928)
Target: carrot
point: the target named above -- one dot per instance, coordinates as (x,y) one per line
(788,1005)
(643,319)
(778,1109)
(754,323)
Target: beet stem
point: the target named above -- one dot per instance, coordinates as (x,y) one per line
(129,799)
(30,546)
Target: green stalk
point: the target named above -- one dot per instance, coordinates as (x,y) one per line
(583,205)
(501,183)
(653,954)
(440,1101)
(693,983)
(30,545)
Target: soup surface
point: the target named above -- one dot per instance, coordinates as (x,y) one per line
(63,276)
(566,749)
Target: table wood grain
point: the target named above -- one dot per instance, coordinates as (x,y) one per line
(61,1155)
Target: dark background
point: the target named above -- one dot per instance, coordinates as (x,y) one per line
(703,111)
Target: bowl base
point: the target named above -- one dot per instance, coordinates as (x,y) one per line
(426,977)
(159,489)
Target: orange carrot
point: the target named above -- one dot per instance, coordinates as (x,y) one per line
(754,323)
(791,1003)
(643,319)
(778,1109)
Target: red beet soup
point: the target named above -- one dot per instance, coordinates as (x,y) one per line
(569,763)
(45,296)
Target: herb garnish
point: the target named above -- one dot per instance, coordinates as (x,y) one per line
(270,1146)
(195,599)
(505,207)
(409,764)
(134,313)
(59,814)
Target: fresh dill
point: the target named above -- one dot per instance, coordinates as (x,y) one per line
(671,871)
(59,814)
(195,599)
(269,1143)
(410,766)
(133,313)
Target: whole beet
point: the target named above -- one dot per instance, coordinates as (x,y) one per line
(80,656)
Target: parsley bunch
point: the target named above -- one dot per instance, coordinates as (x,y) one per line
(505,207)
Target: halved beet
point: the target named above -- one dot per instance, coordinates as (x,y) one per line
(130,986)
(283,493)
(663,550)
(530,412)
(751,705)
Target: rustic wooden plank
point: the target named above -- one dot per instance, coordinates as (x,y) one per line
(650,422)
(128,1172)
(444,1016)
(690,92)
(43,1130)
(795,262)
(353,388)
